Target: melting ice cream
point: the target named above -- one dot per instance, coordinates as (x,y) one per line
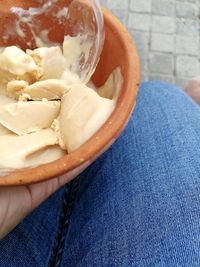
(45,110)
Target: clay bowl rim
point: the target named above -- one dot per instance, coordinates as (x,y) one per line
(109,132)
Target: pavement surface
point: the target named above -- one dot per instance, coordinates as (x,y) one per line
(167,34)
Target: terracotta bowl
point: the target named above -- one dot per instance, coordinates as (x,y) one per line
(119,50)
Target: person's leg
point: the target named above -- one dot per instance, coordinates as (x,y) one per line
(139,204)
(31,243)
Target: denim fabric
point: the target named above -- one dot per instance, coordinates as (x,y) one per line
(138,205)
(31,243)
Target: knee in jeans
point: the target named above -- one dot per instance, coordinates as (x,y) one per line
(159,91)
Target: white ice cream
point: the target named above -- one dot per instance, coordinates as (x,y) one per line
(45,111)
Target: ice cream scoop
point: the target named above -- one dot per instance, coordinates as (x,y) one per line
(45,114)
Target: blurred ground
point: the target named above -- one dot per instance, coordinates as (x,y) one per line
(167,34)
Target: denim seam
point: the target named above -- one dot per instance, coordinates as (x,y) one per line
(69,198)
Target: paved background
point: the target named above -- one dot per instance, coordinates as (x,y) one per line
(167,36)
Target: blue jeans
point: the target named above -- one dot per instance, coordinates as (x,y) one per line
(138,205)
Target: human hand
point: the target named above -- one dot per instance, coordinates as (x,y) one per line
(193,89)
(17,202)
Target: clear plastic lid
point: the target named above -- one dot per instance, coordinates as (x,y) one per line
(38,23)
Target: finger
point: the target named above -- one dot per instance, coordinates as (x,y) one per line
(193,89)
(40,192)
(17,202)
(14,206)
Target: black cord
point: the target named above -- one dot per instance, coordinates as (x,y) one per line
(69,198)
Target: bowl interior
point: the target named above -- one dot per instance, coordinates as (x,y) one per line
(119,51)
